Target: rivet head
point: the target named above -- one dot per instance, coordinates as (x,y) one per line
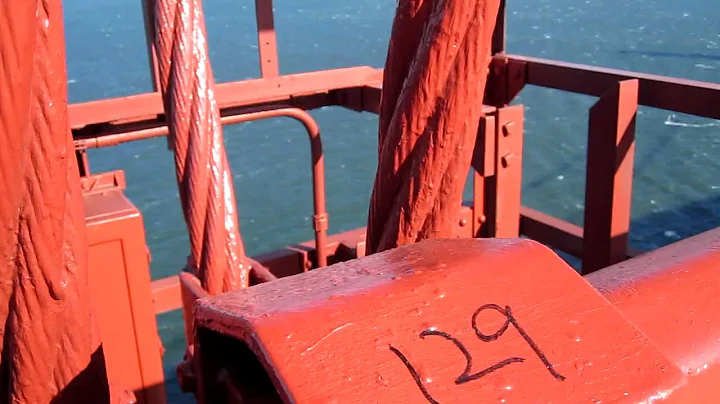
(509,159)
(507,128)
(463,222)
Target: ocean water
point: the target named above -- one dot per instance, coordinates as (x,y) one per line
(677,186)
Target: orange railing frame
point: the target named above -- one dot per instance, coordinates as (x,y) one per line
(496,209)
(105,122)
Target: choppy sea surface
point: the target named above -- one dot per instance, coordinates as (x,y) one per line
(677,181)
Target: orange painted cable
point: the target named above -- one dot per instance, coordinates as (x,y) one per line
(50,344)
(217,254)
(17,41)
(431,104)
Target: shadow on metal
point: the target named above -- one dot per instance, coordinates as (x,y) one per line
(85,383)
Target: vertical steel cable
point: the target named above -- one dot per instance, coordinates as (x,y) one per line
(46,320)
(435,76)
(203,174)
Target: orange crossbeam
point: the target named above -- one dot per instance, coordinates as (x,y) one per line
(229,95)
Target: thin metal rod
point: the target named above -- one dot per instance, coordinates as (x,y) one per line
(320,222)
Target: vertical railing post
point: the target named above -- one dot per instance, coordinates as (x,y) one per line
(83,162)
(483,163)
(508,168)
(267,40)
(497,176)
(608,187)
(148,7)
(498,38)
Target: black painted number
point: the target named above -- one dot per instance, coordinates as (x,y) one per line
(466,375)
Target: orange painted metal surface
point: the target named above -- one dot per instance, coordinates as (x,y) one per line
(286,89)
(267,41)
(668,93)
(359,88)
(349,312)
(673,294)
(166,295)
(119,276)
(435,76)
(503,190)
(191,290)
(481,320)
(50,349)
(611,155)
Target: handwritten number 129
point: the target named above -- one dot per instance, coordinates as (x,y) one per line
(467,376)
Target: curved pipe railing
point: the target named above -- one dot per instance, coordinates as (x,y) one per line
(320,216)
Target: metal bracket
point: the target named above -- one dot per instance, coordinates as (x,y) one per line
(506,78)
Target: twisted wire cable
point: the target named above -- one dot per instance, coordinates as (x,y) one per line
(217,254)
(48,332)
(435,76)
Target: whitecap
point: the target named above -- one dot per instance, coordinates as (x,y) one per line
(670,121)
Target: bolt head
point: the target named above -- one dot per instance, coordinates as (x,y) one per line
(508,128)
(509,159)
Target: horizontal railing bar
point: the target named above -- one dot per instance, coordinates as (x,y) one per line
(229,95)
(557,233)
(680,95)
(668,93)
(552,231)
(541,227)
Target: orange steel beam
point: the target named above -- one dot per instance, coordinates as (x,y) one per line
(557,233)
(508,172)
(148,106)
(148,8)
(687,96)
(565,236)
(552,231)
(672,94)
(497,174)
(267,41)
(483,164)
(608,190)
(403,325)
(672,294)
(119,280)
(166,294)
(516,71)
